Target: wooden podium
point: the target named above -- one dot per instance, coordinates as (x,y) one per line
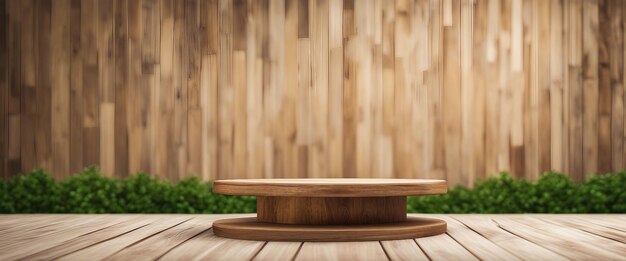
(329,209)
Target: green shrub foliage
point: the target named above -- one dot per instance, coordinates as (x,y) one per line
(552,193)
(91,192)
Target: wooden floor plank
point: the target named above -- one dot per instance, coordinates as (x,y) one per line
(403,250)
(607,221)
(188,237)
(157,245)
(566,244)
(26,246)
(194,247)
(573,233)
(110,247)
(84,241)
(208,246)
(21,218)
(519,246)
(37,228)
(21,226)
(368,250)
(476,243)
(585,225)
(443,247)
(278,251)
(29,230)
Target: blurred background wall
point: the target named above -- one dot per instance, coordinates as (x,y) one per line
(454,89)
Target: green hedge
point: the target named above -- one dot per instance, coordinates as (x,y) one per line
(552,193)
(90,192)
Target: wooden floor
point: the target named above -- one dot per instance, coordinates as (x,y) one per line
(186,237)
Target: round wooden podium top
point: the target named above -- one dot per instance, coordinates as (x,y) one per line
(340,187)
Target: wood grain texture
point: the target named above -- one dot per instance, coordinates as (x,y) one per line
(169,237)
(341,251)
(206,245)
(476,243)
(56,236)
(251,229)
(507,239)
(330,187)
(444,247)
(331,210)
(161,243)
(449,89)
(107,248)
(405,249)
(278,251)
(571,246)
(4,88)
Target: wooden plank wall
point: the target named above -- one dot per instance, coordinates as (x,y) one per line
(454,89)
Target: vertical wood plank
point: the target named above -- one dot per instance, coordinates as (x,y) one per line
(436,164)
(403,148)
(480,36)
(164,149)
(121,85)
(106,72)
(622,56)
(504,88)
(521,138)
(209,116)
(60,75)
(151,68)
(556,85)
(240,74)
(492,93)
(28,70)
(76,79)
(225,90)
(178,149)
(208,83)
(150,79)
(380,142)
(303,91)
(541,21)
(575,90)
(470,95)
(335,89)
(90,80)
(452,96)
(13,104)
(194,105)
(349,92)
(255,132)
(566,87)
(193,52)
(135,100)
(3,88)
(43,132)
(275,91)
(590,87)
(604,89)
(616,68)
(319,53)
(364,52)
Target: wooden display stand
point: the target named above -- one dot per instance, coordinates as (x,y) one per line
(329,209)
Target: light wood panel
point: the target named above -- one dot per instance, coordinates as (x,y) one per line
(448,89)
